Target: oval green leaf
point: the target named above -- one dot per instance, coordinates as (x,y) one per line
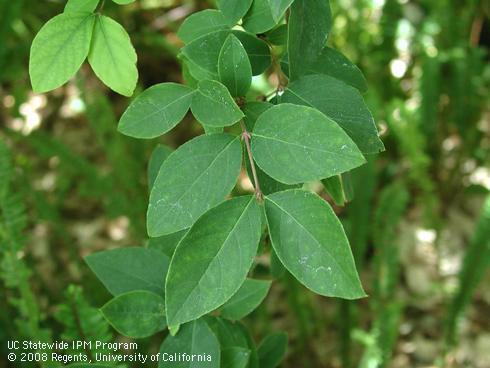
(81,6)
(310,241)
(234,10)
(59,49)
(341,103)
(234,68)
(295,144)
(158,156)
(127,269)
(273,349)
(156,111)
(247,298)
(202,23)
(309,24)
(213,105)
(213,259)
(136,314)
(193,179)
(204,51)
(112,56)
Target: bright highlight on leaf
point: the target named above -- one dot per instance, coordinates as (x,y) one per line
(112,56)
(213,259)
(294,144)
(136,314)
(311,243)
(156,111)
(234,68)
(193,179)
(59,49)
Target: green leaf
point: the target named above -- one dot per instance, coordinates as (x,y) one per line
(212,260)
(234,10)
(273,349)
(59,49)
(252,111)
(193,179)
(234,335)
(112,56)
(166,244)
(247,298)
(335,188)
(264,15)
(309,240)
(73,6)
(295,144)
(158,156)
(234,68)
(202,23)
(259,18)
(235,357)
(279,35)
(156,111)
(333,63)
(278,8)
(127,269)
(213,105)
(229,334)
(341,103)
(309,25)
(194,338)
(136,314)
(204,51)
(123,2)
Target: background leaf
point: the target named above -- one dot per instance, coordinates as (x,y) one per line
(126,269)
(136,314)
(193,338)
(273,349)
(159,154)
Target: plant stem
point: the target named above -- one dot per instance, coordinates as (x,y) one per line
(246,137)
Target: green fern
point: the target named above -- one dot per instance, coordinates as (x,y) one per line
(81,321)
(476,262)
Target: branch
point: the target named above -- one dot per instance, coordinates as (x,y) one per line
(246,137)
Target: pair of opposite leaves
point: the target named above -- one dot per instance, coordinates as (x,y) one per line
(65,41)
(211,262)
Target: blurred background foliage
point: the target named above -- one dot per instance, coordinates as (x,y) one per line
(419,224)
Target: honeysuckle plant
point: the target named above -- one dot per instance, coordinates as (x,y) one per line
(192,277)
